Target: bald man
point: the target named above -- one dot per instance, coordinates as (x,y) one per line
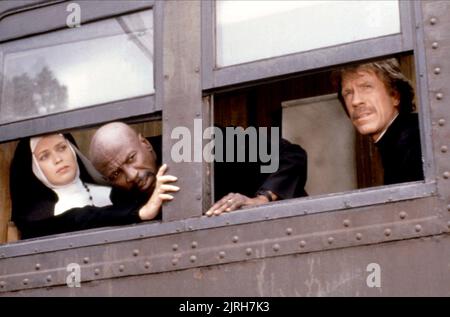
(130,163)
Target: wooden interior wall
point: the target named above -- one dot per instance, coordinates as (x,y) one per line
(6,154)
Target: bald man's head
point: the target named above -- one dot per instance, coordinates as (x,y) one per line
(124,157)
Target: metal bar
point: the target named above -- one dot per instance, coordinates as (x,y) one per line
(183,104)
(422,94)
(52,16)
(376,197)
(208,30)
(82,117)
(305,61)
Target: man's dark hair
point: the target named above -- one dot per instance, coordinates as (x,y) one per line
(388,71)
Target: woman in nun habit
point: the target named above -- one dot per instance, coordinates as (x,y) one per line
(54,189)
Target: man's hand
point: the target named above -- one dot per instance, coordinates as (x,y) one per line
(234,201)
(159,195)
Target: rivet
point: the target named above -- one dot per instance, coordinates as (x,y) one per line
(437,70)
(35,250)
(25,281)
(266,217)
(48,278)
(147,265)
(2,284)
(193,258)
(190,228)
(175,247)
(86,260)
(289,231)
(276,247)
(448,207)
(135,252)
(446,174)
(37,267)
(97,271)
(227,223)
(174,261)
(302,244)
(387,232)
(70,245)
(346,223)
(444,149)
(435,45)
(418,228)
(141,235)
(177,230)
(347,204)
(441,122)
(402,214)
(358,236)
(121,268)
(2,255)
(433,21)
(106,240)
(222,254)
(197,69)
(194,244)
(166,76)
(248,251)
(235,239)
(198,197)
(330,240)
(439,95)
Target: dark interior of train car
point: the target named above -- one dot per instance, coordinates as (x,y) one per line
(308,113)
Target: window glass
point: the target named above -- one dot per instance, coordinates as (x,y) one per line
(253,30)
(74,68)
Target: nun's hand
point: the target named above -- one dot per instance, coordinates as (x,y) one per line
(160,194)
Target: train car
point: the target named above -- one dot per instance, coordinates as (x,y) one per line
(158,65)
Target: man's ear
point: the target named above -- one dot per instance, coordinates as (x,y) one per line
(395,98)
(145,142)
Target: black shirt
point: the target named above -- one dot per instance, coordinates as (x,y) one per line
(400,150)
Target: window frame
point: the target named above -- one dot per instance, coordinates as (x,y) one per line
(94,114)
(214,77)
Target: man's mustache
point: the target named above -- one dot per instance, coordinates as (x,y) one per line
(142,177)
(359,112)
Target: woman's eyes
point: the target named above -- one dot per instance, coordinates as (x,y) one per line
(61,148)
(43,157)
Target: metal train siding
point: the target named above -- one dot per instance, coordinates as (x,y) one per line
(380,241)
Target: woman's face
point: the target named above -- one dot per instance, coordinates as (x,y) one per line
(56,159)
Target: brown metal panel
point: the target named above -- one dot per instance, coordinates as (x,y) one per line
(436,24)
(225,245)
(182,102)
(415,267)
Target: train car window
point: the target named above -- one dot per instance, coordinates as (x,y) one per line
(100,62)
(9,232)
(288,37)
(306,111)
(276,28)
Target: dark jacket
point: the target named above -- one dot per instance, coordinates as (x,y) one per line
(246,177)
(33,203)
(400,150)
